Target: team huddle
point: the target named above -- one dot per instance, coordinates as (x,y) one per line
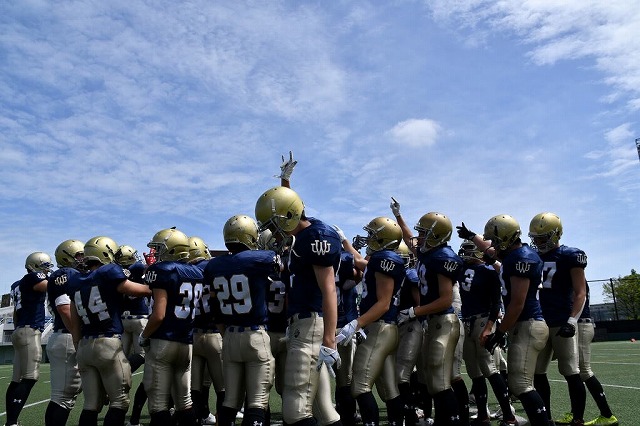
(294,304)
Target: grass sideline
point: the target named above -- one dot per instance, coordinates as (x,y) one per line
(616,364)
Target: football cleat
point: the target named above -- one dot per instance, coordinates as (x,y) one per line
(600,420)
(498,413)
(565,419)
(209,420)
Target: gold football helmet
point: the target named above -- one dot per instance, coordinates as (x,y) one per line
(101,249)
(503,231)
(434,229)
(469,251)
(170,245)
(69,253)
(241,229)
(38,262)
(545,231)
(198,250)
(279,209)
(383,233)
(127,255)
(405,253)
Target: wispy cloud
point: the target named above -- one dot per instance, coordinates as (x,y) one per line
(415,133)
(606,32)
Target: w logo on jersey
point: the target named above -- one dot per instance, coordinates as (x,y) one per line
(387,265)
(150,276)
(450,266)
(581,259)
(321,247)
(523,267)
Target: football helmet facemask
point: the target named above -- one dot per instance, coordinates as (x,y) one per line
(101,249)
(241,229)
(469,251)
(382,233)
(266,241)
(69,253)
(503,231)
(198,250)
(279,209)
(170,245)
(38,262)
(545,231)
(434,229)
(127,256)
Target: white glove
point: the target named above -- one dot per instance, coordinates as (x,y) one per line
(346,333)
(144,342)
(328,357)
(406,315)
(360,336)
(340,233)
(395,207)
(286,168)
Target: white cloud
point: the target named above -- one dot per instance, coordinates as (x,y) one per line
(606,32)
(415,132)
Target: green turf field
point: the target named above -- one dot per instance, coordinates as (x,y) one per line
(617,365)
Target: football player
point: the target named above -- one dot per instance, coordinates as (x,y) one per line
(520,275)
(347,278)
(312,301)
(168,336)
(277,311)
(586,331)
(374,361)
(96,327)
(65,377)
(480,293)
(206,362)
(438,268)
(135,312)
(28,295)
(240,282)
(562,299)
(457,382)
(409,335)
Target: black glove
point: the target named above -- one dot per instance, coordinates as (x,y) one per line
(488,259)
(567,330)
(464,232)
(495,339)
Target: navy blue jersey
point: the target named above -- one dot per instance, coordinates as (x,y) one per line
(523,262)
(438,261)
(241,284)
(586,311)
(183,284)
(29,303)
(135,305)
(277,300)
(57,293)
(479,290)
(202,264)
(345,288)
(556,295)
(137,272)
(317,244)
(411,282)
(386,262)
(97,299)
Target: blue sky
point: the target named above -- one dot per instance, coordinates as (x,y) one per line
(123,118)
